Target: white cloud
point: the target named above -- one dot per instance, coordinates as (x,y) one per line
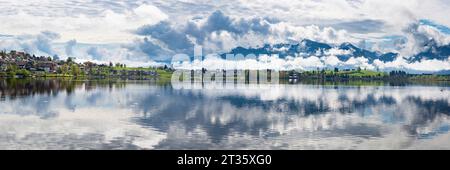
(421,37)
(337,51)
(106,27)
(423,65)
(314,62)
(30,128)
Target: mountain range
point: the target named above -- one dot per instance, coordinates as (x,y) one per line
(308,48)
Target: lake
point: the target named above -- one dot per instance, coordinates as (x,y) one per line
(64,114)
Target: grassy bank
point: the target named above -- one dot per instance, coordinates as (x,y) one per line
(95,73)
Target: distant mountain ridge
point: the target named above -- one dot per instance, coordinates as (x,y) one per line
(308,48)
(433,51)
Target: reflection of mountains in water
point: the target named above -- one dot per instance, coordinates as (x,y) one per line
(260,117)
(302,108)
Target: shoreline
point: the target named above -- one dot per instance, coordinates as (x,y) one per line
(306,81)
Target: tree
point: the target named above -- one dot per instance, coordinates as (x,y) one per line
(336,69)
(75,70)
(110,64)
(64,69)
(24,72)
(69,60)
(11,68)
(59,70)
(55,57)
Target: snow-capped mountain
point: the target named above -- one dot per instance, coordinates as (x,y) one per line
(343,51)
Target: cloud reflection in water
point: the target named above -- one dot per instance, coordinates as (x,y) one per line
(112,115)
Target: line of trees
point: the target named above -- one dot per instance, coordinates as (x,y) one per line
(13,70)
(397,73)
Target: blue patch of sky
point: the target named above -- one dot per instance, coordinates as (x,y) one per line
(441,28)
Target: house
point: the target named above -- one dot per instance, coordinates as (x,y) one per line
(293,76)
(83,69)
(149,73)
(3,65)
(22,64)
(21,54)
(47,66)
(88,66)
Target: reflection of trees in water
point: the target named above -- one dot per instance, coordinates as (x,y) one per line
(25,87)
(104,84)
(14,88)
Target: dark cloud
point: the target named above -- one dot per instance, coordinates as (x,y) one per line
(362,26)
(420,37)
(151,49)
(218,21)
(37,44)
(175,40)
(95,53)
(43,41)
(426,42)
(5,36)
(182,38)
(69,47)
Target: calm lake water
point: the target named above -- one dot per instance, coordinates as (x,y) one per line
(61,114)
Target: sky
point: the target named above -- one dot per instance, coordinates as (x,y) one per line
(148,32)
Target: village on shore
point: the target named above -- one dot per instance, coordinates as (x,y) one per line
(16,64)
